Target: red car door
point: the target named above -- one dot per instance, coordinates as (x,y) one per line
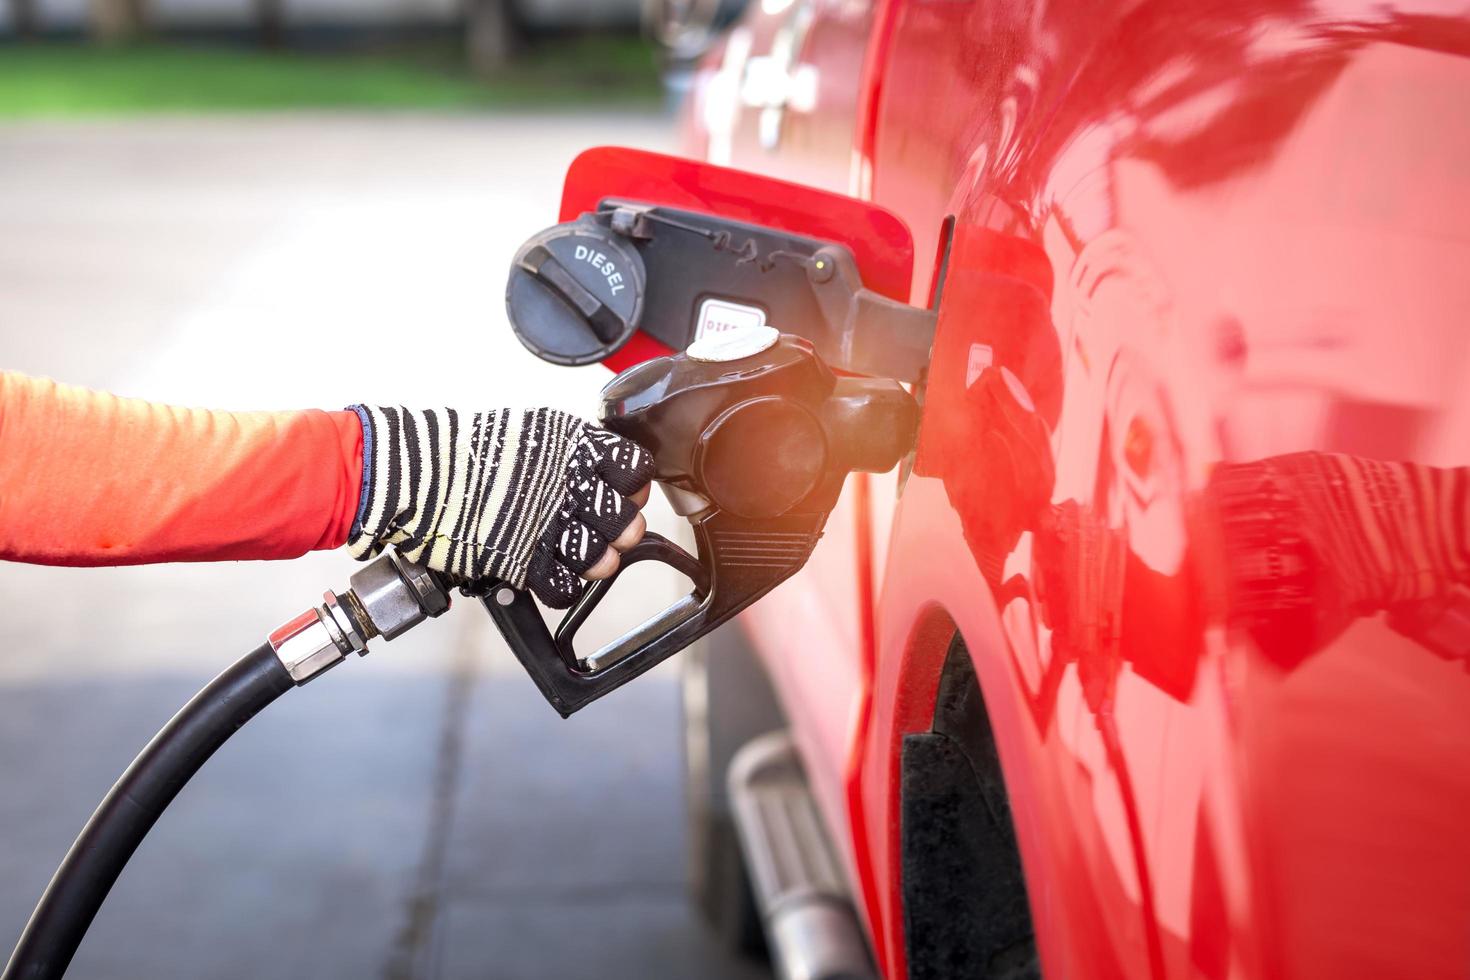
(1216,249)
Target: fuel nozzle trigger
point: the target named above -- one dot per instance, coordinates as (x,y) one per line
(755,441)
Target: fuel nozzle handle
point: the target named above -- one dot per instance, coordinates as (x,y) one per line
(762,434)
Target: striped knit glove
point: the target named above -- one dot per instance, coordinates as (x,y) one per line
(529,497)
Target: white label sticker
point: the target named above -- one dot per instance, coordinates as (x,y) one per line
(721,316)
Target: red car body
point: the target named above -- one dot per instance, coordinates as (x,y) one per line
(1201,237)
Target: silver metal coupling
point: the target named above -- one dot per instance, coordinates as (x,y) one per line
(389,596)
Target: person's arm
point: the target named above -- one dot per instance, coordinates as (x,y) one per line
(534,497)
(87,478)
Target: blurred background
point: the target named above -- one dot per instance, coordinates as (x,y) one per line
(252,204)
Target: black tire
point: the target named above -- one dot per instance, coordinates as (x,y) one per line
(965,906)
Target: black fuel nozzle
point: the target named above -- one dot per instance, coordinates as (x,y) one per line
(764,434)
(760,435)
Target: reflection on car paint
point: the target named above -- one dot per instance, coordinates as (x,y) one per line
(1217,244)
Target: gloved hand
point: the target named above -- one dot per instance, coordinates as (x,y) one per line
(535,498)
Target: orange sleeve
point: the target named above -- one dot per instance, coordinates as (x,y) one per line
(87,478)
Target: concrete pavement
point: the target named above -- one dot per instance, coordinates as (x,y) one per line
(419,813)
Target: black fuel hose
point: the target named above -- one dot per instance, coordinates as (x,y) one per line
(134,804)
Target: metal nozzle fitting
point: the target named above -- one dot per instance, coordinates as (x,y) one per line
(396,595)
(389,596)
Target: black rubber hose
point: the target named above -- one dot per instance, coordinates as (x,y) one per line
(133,805)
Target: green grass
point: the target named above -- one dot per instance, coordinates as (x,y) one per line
(53,79)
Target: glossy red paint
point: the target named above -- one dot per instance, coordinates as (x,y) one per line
(1192,478)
